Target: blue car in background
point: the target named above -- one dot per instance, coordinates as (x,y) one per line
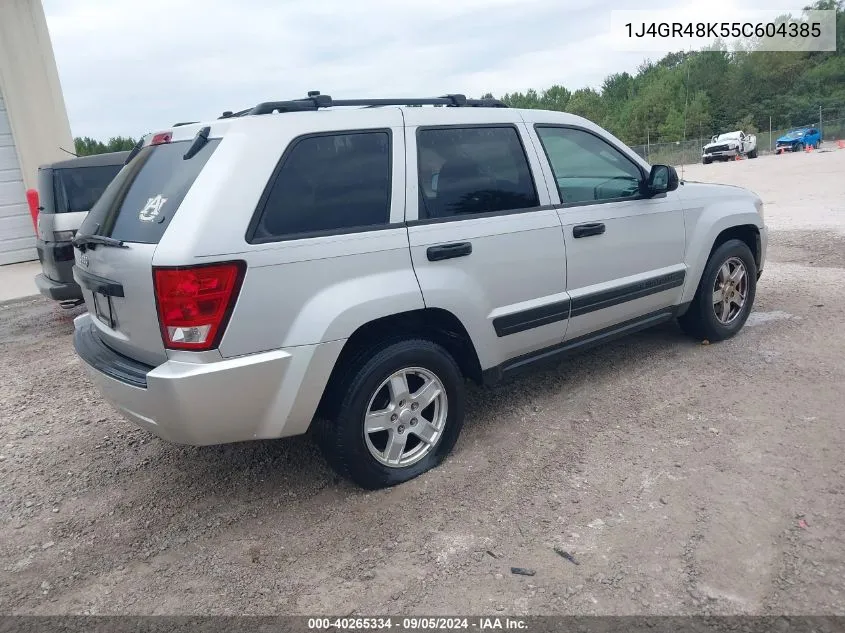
(797,140)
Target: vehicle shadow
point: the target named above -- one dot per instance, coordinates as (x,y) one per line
(165,495)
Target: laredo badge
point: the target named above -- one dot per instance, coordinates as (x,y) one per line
(151,210)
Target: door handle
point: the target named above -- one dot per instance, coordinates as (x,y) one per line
(448,251)
(584,230)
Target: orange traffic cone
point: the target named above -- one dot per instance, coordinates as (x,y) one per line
(808,148)
(738,157)
(841,144)
(781,150)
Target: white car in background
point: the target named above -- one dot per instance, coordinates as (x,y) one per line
(728,146)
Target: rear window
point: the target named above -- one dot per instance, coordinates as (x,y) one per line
(141,201)
(78,188)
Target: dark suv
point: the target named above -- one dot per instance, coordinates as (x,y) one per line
(67,190)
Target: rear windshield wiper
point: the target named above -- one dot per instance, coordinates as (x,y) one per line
(83,242)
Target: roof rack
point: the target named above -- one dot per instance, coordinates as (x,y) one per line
(315,101)
(228,114)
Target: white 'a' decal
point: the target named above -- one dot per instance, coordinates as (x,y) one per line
(152,209)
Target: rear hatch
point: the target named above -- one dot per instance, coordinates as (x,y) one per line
(135,209)
(66,194)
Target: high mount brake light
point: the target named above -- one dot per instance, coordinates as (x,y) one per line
(194,303)
(161,138)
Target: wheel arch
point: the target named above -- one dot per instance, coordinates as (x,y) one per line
(742,226)
(435,324)
(747,233)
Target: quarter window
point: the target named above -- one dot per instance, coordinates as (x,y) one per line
(471,170)
(328,183)
(587,168)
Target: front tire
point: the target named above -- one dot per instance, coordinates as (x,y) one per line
(752,153)
(706,160)
(400,415)
(725,294)
(798,147)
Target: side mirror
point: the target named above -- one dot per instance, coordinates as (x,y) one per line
(661,179)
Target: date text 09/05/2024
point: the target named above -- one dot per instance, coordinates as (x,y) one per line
(724,29)
(418,624)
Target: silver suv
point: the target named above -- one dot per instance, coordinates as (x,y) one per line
(352,262)
(66,191)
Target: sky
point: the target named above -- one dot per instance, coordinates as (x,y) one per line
(128,67)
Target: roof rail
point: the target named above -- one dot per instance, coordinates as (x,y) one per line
(228,114)
(315,101)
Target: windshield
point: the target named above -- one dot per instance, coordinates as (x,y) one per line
(731,136)
(796,134)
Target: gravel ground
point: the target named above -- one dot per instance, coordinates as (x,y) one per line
(683,478)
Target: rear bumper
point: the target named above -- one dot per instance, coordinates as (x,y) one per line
(58,290)
(258,396)
(56,281)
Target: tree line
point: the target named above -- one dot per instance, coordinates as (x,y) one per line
(86,146)
(696,94)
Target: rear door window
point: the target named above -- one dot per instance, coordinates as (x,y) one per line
(78,188)
(469,170)
(327,183)
(141,201)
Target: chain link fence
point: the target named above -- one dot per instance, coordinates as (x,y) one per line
(689,151)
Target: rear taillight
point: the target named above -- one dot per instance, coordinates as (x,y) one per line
(161,138)
(194,303)
(33,201)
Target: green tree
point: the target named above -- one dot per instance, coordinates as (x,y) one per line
(696,94)
(86,146)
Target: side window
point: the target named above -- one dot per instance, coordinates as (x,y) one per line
(465,171)
(327,183)
(587,168)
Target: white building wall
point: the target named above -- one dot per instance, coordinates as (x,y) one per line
(33,120)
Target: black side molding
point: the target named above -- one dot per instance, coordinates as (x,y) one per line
(528,319)
(566,309)
(94,283)
(104,359)
(609,298)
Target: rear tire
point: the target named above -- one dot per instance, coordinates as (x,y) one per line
(358,448)
(725,294)
(752,153)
